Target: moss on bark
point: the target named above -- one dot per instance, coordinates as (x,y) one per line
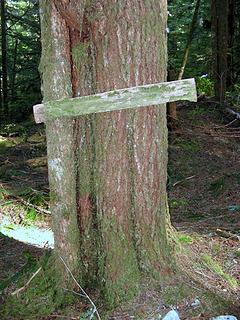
(61,167)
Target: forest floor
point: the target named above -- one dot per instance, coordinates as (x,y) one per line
(204,201)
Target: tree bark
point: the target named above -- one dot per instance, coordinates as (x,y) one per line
(172,106)
(107,171)
(55,67)
(13,76)
(220,25)
(4,59)
(231,41)
(1,98)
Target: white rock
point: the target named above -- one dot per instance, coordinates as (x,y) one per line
(224,318)
(196,303)
(171,315)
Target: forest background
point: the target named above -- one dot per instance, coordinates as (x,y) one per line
(213,45)
(203,169)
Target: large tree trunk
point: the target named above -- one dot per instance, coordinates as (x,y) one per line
(220,46)
(108,171)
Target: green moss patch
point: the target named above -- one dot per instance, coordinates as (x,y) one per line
(217,269)
(40,298)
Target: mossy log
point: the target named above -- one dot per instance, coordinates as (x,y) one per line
(128,98)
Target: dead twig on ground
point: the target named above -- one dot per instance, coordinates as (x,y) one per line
(213,131)
(27,284)
(180,181)
(234,113)
(204,275)
(77,293)
(29,205)
(226,125)
(227,234)
(63,317)
(83,291)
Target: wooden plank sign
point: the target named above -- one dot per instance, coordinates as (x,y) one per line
(128,98)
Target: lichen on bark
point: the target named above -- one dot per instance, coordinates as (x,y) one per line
(56,83)
(128,98)
(80,55)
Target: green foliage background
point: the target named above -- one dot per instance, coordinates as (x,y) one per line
(179,21)
(23,30)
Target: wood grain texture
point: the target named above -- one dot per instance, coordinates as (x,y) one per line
(128,98)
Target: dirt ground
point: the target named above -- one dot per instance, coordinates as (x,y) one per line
(203,189)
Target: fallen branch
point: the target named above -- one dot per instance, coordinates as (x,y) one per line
(204,275)
(30,205)
(63,317)
(77,293)
(27,284)
(226,125)
(180,181)
(236,114)
(83,291)
(227,234)
(227,107)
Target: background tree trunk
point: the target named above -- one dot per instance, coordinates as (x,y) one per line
(13,75)
(1,98)
(189,40)
(4,59)
(172,106)
(107,171)
(231,41)
(220,46)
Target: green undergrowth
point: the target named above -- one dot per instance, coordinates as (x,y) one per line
(192,215)
(197,112)
(14,129)
(183,292)
(215,267)
(177,203)
(29,266)
(5,144)
(217,186)
(174,294)
(40,298)
(237,177)
(225,182)
(25,204)
(184,238)
(236,253)
(12,134)
(187,145)
(30,216)
(205,86)
(35,197)
(4,193)
(182,242)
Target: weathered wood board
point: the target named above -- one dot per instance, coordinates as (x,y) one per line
(128,98)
